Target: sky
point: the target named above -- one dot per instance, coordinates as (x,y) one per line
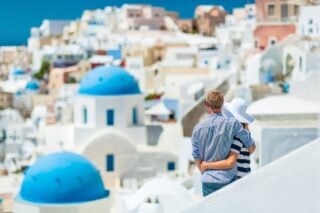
(18,16)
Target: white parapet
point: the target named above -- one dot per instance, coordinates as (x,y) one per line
(290,184)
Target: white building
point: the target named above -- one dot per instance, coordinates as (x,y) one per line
(109,129)
(283,123)
(17,81)
(101,18)
(305,88)
(301,58)
(180,57)
(135,17)
(9,117)
(135,65)
(309,21)
(237,31)
(160,194)
(19,133)
(49,28)
(64,55)
(263,67)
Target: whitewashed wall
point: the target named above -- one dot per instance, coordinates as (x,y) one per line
(98,206)
(309,21)
(290,184)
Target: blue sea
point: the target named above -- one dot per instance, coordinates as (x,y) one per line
(18,16)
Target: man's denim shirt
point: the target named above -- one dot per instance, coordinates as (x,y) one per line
(211,141)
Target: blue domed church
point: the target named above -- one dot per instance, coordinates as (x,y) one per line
(109,97)
(109,129)
(62,182)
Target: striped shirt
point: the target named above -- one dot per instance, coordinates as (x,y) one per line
(243,161)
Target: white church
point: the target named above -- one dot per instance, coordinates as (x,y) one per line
(109,130)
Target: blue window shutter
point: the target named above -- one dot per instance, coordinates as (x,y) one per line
(110,117)
(110,162)
(171,166)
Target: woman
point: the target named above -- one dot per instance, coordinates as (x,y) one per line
(238,154)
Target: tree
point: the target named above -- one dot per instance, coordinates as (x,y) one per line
(44,69)
(71,80)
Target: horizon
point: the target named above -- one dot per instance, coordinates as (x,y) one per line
(16,26)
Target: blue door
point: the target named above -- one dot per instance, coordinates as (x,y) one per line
(171,166)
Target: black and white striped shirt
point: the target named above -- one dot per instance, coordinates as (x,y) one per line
(243,161)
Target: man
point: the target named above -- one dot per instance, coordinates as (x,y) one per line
(212,139)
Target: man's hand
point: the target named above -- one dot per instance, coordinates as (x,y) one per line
(203,167)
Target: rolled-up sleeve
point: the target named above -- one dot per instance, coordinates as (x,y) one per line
(243,135)
(195,144)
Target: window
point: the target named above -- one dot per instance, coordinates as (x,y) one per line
(300,63)
(85,115)
(271,9)
(273,41)
(296,9)
(284,11)
(134,116)
(171,166)
(310,31)
(110,117)
(256,43)
(110,163)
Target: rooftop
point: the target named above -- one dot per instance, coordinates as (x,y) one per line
(283,105)
(108,81)
(62,177)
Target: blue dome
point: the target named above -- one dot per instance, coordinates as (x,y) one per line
(62,178)
(18,72)
(106,81)
(33,85)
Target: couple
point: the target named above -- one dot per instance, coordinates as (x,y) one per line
(222,140)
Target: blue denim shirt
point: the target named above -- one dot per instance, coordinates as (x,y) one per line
(211,141)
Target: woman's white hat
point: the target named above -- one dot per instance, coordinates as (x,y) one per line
(237,108)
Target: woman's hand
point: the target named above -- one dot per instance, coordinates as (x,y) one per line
(203,167)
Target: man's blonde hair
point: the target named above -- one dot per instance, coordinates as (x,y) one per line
(214,99)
